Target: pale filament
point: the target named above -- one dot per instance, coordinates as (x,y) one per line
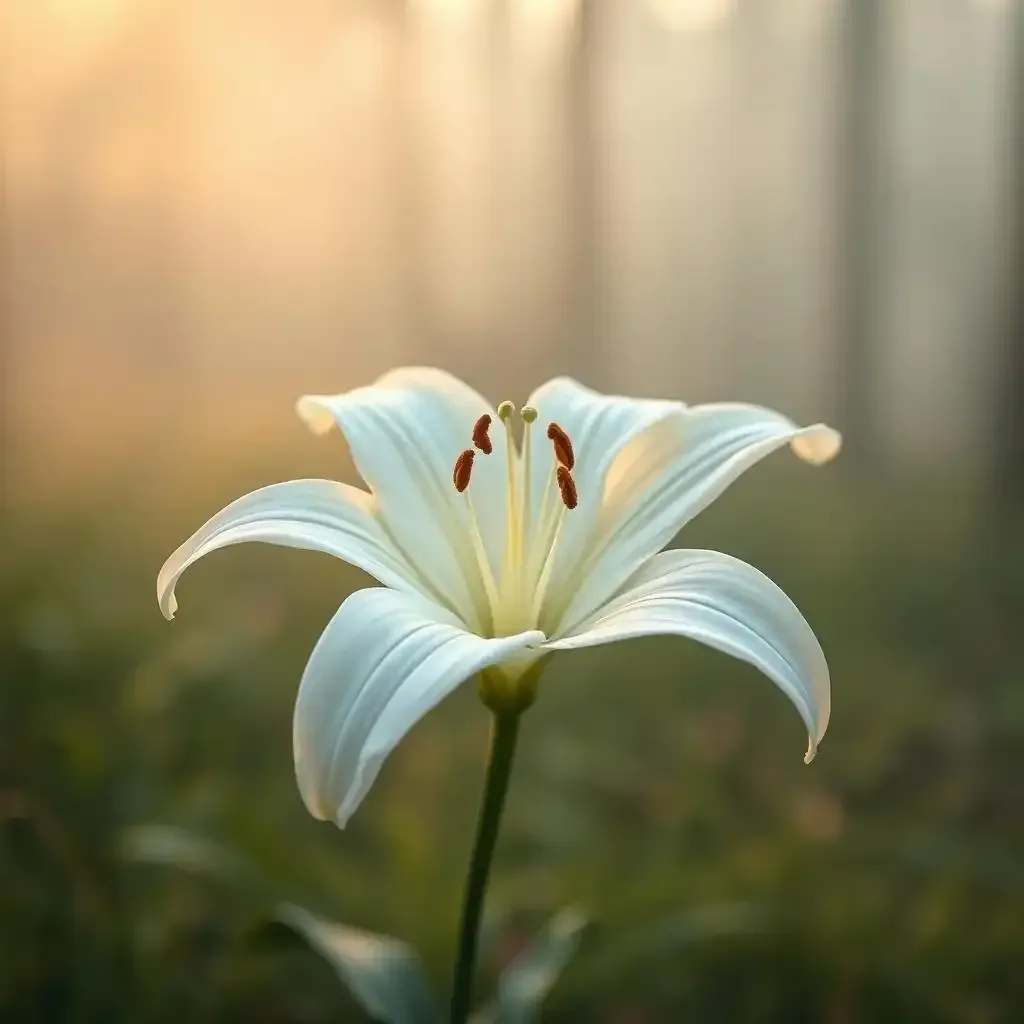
(512,575)
(516,595)
(547,566)
(547,519)
(460,479)
(490,585)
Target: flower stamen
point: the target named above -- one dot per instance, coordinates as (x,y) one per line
(511,569)
(481,438)
(461,476)
(547,521)
(463,470)
(547,566)
(567,487)
(552,516)
(562,445)
(528,415)
(516,588)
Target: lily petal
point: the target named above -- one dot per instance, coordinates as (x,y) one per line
(729,605)
(600,427)
(667,475)
(384,660)
(320,515)
(405,432)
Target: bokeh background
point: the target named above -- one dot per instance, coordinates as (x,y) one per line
(213,206)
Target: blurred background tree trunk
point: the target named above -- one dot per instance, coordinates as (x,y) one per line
(1009,427)
(585,347)
(859,271)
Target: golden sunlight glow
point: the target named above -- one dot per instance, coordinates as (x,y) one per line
(692,15)
(445,10)
(88,10)
(542,26)
(83,26)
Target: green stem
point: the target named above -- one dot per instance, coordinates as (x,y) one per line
(499,770)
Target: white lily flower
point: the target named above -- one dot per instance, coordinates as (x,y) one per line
(537,542)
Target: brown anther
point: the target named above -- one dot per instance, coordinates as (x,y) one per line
(567,486)
(480,436)
(463,470)
(563,446)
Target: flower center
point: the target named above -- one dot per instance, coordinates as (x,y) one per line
(516,591)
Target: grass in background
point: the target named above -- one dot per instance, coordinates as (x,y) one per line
(659,784)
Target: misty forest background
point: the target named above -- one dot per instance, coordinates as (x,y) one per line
(213,207)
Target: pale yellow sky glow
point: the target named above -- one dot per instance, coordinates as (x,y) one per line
(693,15)
(238,202)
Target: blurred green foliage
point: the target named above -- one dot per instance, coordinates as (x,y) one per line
(658,785)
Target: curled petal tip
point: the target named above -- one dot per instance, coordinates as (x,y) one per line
(812,752)
(317,802)
(818,444)
(314,414)
(341,814)
(321,807)
(165,599)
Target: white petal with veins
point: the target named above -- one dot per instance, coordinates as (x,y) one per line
(382,663)
(600,428)
(320,515)
(729,605)
(666,476)
(405,432)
